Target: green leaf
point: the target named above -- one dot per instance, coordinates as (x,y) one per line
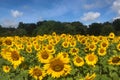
(73,71)
(50,78)
(112,68)
(105,77)
(114,76)
(69,78)
(97,77)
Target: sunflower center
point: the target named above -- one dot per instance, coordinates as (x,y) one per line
(119,47)
(8,42)
(115,59)
(54,42)
(74,51)
(49,47)
(65,44)
(91,46)
(95,40)
(7,68)
(15,56)
(78,60)
(101,50)
(37,72)
(72,43)
(37,47)
(45,55)
(104,44)
(28,49)
(91,58)
(57,65)
(0,42)
(83,41)
(64,55)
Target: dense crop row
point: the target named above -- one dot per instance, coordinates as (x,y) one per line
(60,57)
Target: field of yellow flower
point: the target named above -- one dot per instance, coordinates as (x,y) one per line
(60,57)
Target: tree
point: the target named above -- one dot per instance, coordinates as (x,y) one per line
(116,24)
(20,32)
(95,29)
(106,29)
(79,28)
(20,25)
(28,27)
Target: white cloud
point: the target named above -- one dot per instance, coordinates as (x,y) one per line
(9,23)
(90,16)
(16,13)
(116,6)
(95,4)
(118,17)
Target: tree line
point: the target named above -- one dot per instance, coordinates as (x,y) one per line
(50,26)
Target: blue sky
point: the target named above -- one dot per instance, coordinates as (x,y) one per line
(31,11)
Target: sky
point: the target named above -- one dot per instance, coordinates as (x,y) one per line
(31,11)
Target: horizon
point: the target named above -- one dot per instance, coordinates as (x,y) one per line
(32,11)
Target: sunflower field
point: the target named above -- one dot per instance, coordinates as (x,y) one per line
(60,57)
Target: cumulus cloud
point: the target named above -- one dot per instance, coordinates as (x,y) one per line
(16,13)
(90,16)
(116,6)
(118,17)
(9,23)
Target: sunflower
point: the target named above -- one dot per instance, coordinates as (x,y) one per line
(100,38)
(57,67)
(15,58)
(86,49)
(92,77)
(41,38)
(104,44)
(78,61)
(29,49)
(92,47)
(21,46)
(73,43)
(63,36)
(6,69)
(4,52)
(34,42)
(111,35)
(64,55)
(29,44)
(118,46)
(1,42)
(53,41)
(91,59)
(44,56)
(101,51)
(84,40)
(74,51)
(37,73)
(54,34)
(115,60)
(65,44)
(95,40)
(37,47)
(80,37)
(49,48)
(8,41)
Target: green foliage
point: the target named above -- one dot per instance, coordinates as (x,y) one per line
(106,29)
(116,24)
(50,26)
(95,29)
